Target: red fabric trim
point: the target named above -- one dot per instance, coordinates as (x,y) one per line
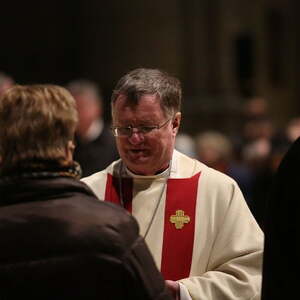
(178,244)
(112,191)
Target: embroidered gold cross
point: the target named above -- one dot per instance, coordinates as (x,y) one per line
(179,219)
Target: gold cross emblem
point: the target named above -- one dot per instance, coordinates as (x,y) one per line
(179,219)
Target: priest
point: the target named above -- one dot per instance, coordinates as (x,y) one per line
(194,219)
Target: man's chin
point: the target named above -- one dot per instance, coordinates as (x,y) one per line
(138,157)
(139,161)
(139,166)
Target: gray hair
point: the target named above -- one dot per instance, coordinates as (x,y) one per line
(143,81)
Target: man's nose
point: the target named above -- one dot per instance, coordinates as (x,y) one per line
(136,137)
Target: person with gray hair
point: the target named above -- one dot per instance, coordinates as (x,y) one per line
(194,219)
(58,241)
(95,145)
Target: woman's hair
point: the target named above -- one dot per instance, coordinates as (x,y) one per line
(143,81)
(36,123)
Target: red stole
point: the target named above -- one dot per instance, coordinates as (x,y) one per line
(113,190)
(178,244)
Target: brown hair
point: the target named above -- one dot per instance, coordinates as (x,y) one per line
(150,81)
(36,122)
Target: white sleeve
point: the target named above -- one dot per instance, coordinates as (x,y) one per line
(184,294)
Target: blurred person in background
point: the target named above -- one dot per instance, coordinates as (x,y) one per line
(256,129)
(185,144)
(6,82)
(285,138)
(194,219)
(58,241)
(256,108)
(95,144)
(215,149)
(254,148)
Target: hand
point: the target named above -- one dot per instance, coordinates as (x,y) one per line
(174,288)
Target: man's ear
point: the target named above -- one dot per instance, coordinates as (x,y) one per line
(176,122)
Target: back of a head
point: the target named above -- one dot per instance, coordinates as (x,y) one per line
(144,81)
(212,146)
(36,123)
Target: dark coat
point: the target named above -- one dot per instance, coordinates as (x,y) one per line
(59,242)
(282,230)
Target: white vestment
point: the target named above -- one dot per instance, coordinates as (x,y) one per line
(224,259)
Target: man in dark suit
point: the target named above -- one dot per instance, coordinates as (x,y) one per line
(95,144)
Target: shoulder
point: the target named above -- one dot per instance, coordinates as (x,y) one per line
(187,167)
(212,184)
(95,178)
(97,181)
(101,175)
(104,223)
(217,177)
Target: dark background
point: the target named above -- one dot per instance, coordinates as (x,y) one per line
(224,52)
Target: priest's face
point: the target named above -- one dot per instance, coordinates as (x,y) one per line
(145,136)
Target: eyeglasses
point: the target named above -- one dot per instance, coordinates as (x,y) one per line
(128,131)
